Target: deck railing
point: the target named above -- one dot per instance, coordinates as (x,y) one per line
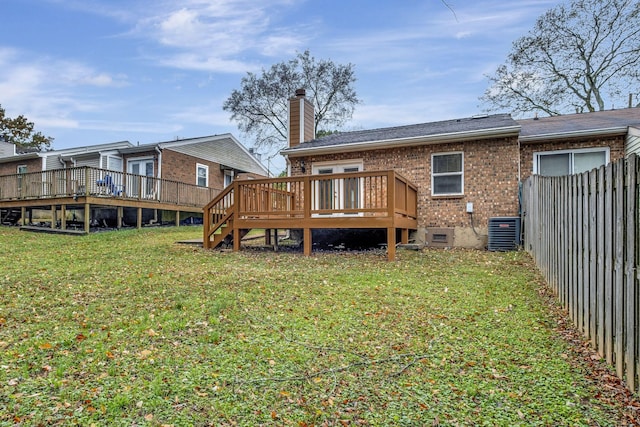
(89,181)
(342,200)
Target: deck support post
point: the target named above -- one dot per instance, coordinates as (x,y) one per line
(53,216)
(275,239)
(87,218)
(23,215)
(306,239)
(63,217)
(267,237)
(391,243)
(404,236)
(139,220)
(119,215)
(178,218)
(236,239)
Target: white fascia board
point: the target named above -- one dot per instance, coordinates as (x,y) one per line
(574,134)
(442,138)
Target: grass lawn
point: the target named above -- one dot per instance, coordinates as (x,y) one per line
(129,328)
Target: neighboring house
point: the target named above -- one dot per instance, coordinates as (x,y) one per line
(179,176)
(210,161)
(466,170)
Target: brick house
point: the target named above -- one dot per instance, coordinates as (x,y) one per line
(466,170)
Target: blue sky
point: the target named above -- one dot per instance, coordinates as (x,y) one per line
(96,71)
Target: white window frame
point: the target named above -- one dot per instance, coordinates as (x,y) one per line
(538,154)
(23,168)
(435,175)
(228,177)
(200,166)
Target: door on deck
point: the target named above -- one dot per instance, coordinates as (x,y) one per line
(141,183)
(337,194)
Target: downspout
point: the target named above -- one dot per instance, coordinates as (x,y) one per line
(159,162)
(159,172)
(288,162)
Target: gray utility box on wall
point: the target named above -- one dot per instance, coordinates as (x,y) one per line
(504,233)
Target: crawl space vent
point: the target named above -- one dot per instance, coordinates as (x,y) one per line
(504,233)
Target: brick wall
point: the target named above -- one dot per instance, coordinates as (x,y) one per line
(33,165)
(490,179)
(182,167)
(615,144)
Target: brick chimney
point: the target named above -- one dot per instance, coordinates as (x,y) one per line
(301,119)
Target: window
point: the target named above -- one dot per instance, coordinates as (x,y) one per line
(567,162)
(22,169)
(447,174)
(202,175)
(228,177)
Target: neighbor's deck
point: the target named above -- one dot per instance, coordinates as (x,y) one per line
(86,188)
(361,200)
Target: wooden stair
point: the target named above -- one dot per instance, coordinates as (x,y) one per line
(218,220)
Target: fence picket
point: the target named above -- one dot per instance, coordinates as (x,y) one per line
(629,269)
(608,265)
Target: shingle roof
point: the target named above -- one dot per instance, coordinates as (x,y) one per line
(575,124)
(465,127)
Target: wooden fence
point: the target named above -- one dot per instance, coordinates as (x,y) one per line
(583,232)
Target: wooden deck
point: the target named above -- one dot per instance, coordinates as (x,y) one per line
(361,200)
(85,188)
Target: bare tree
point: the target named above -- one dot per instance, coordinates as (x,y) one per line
(579,57)
(260,105)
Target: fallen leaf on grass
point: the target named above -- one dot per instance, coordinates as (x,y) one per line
(144,354)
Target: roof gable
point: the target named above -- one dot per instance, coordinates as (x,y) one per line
(224,149)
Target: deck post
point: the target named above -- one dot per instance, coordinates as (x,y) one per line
(267,237)
(391,243)
(306,238)
(53,216)
(178,218)
(63,217)
(87,217)
(404,236)
(139,220)
(87,187)
(119,215)
(236,239)
(23,215)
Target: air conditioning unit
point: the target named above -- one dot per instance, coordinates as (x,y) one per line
(504,233)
